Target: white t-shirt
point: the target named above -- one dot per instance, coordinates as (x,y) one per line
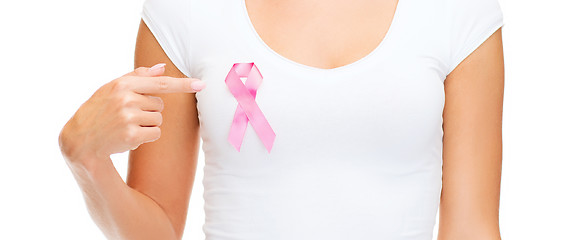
(358,148)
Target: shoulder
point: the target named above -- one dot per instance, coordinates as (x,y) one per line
(169,22)
(469,23)
(166,9)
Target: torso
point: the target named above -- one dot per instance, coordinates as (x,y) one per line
(323,34)
(355,99)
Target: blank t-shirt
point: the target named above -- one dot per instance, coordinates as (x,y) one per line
(358,148)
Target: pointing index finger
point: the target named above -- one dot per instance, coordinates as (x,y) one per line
(165,84)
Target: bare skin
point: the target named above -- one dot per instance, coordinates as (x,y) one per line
(120,116)
(321,34)
(154,202)
(472,145)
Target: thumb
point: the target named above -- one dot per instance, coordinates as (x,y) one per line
(153,71)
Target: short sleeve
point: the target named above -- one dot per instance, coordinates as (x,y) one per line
(470,23)
(168,21)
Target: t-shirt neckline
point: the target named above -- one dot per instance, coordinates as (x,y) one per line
(355,64)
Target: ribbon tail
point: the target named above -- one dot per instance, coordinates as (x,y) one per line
(238,128)
(266,135)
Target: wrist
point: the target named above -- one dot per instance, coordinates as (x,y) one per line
(75,151)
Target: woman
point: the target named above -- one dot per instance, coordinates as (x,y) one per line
(353,96)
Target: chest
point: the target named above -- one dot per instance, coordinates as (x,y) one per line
(323,34)
(316,94)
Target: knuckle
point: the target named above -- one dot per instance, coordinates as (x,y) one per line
(128,117)
(155,135)
(120,84)
(163,83)
(130,136)
(159,118)
(160,102)
(158,133)
(156,102)
(186,84)
(126,100)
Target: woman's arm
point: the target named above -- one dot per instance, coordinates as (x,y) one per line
(164,170)
(472,151)
(154,202)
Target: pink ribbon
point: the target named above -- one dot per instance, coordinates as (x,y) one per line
(247,109)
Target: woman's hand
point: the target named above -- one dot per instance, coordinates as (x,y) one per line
(121,115)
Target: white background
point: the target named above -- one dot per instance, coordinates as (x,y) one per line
(55,54)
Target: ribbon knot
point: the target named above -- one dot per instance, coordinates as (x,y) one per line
(247,108)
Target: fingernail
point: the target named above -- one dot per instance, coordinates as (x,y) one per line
(157,66)
(198,85)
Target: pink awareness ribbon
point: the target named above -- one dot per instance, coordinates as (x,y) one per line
(247,108)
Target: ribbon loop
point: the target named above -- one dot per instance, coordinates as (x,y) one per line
(247,108)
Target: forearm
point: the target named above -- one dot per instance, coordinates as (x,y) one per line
(118,210)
